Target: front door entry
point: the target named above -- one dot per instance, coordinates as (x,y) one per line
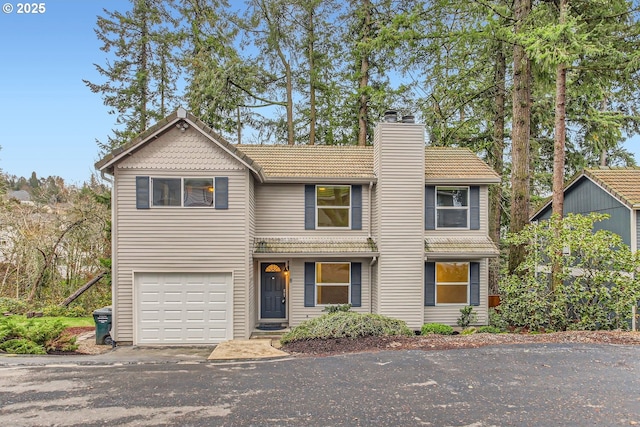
(273,291)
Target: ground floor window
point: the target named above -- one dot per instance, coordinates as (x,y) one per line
(333,280)
(452,283)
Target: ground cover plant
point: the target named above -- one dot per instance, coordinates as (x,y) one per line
(19,335)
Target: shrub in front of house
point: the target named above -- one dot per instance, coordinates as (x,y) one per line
(595,281)
(346,324)
(58,311)
(436,328)
(489,330)
(467,317)
(12,306)
(26,336)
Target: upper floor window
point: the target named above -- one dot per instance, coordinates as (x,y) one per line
(182,192)
(187,192)
(452,207)
(333,204)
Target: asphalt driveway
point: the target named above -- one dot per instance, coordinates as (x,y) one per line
(524,385)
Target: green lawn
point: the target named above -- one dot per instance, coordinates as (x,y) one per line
(70,322)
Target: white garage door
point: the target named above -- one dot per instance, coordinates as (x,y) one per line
(183,308)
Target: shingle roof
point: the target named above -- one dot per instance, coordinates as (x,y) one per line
(312,161)
(438,247)
(339,161)
(624,183)
(299,162)
(306,246)
(455,163)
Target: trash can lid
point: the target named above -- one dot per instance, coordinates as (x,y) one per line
(103,310)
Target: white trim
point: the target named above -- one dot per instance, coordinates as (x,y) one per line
(203,270)
(468,284)
(445,208)
(633,230)
(349,208)
(315,280)
(182,179)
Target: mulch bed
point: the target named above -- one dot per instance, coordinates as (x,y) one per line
(447,342)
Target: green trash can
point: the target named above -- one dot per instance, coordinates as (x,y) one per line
(102,317)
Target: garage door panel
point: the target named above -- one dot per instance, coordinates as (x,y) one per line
(183,308)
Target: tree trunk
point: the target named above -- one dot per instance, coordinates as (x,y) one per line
(497,163)
(559,130)
(363,101)
(82,290)
(520,136)
(312,81)
(289,81)
(143,72)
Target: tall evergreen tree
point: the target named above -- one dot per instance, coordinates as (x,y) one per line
(141,71)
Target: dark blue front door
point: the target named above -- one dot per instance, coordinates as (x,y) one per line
(272,291)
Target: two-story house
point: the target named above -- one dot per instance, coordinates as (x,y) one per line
(212,239)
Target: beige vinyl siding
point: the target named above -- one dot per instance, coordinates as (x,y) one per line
(280,213)
(179,239)
(375,283)
(296,310)
(449,314)
(399,156)
(251,308)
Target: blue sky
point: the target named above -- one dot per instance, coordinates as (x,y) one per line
(49,120)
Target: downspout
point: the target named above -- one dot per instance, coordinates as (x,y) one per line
(370,210)
(113,229)
(373,261)
(375,258)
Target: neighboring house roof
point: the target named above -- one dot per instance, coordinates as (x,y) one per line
(444,247)
(21,195)
(286,163)
(303,247)
(622,183)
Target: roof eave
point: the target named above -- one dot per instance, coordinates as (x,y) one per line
(273,255)
(450,255)
(463,180)
(107,164)
(317,179)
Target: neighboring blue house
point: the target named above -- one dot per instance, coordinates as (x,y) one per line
(611,191)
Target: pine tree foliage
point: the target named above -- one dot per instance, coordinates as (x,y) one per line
(140,79)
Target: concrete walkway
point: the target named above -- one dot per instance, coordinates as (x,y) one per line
(235,350)
(246,349)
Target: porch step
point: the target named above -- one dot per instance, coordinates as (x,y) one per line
(273,336)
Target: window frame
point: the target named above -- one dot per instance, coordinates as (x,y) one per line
(182,205)
(438,284)
(467,208)
(316,284)
(318,207)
